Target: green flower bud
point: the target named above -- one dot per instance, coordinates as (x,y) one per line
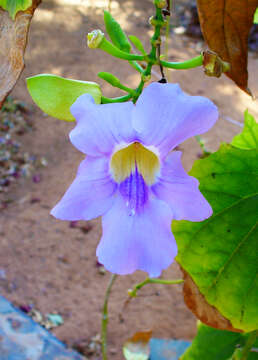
(117,35)
(110,78)
(137,43)
(94,39)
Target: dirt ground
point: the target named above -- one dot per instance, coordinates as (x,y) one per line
(52,265)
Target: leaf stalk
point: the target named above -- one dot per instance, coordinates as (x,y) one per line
(105,318)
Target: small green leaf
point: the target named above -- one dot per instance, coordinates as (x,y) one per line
(55,95)
(13,6)
(212,344)
(248,139)
(117,35)
(220,253)
(137,347)
(137,43)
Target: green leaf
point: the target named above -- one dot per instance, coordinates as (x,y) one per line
(55,95)
(13,6)
(117,35)
(248,139)
(238,355)
(220,253)
(137,347)
(212,344)
(256,16)
(137,43)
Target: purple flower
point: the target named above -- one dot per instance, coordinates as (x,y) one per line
(131,178)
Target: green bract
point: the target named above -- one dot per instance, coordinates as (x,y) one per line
(212,344)
(220,254)
(13,6)
(55,95)
(248,139)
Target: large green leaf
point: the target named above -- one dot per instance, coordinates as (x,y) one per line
(212,344)
(248,139)
(13,6)
(220,254)
(55,95)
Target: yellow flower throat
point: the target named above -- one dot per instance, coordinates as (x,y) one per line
(124,162)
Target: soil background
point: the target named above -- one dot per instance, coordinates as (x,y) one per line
(48,263)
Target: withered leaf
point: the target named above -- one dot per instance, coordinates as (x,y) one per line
(207,313)
(225,25)
(13,40)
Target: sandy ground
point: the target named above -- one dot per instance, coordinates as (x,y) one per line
(53,266)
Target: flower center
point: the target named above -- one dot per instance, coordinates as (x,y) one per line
(132,158)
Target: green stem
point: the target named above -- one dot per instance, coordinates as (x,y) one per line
(167,36)
(188,64)
(105,318)
(248,345)
(108,47)
(137,287)
(152,56)
(109,6)
(106,100)
(201,143)
(136,66)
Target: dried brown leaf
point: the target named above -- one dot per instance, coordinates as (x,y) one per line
(225,25)
(197,303)
(13,40)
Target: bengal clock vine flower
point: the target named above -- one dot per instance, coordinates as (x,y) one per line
(131,177)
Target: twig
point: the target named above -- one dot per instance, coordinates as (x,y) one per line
(248,345)
(105,317)
(201,143)
(137,287)
(109,5)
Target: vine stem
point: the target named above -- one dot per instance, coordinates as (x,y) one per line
(167,36)
(105,317)
(248,345)
(137,287)
(109,6)
(202,146)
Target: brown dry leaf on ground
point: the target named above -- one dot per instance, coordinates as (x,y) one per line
(225,25)
(196,302)
(13,40)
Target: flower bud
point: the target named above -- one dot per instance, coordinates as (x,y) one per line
(94,38)
(213,64)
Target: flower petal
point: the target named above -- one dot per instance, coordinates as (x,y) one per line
(90,195)
(100,127)
(165,116)
(142,241)
(180,191)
